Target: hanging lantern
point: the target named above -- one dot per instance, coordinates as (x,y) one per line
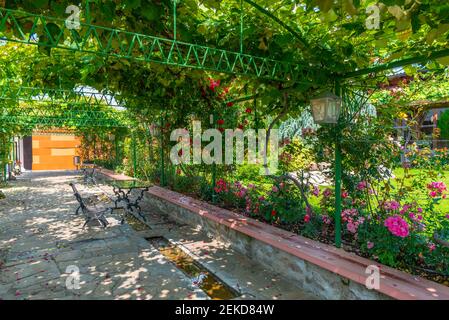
(326,108)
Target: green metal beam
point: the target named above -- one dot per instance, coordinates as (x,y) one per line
(58,122)
(398,64)
(63,118)
(18,26)
(82,96)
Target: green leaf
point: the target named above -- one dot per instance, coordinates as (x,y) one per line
(325,5)
(443,61)
(42,48)
(40,4)
(396,11)
(330,16)
(133,4)
(349,7)
(150,11)
(58,8)
(54,30)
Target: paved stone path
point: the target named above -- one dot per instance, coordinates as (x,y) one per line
(41,242)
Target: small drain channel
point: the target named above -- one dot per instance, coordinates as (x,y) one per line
(135,223)
(200,276)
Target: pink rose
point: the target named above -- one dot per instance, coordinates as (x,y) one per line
(397,226)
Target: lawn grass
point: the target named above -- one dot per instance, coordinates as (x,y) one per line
(423,176)
(416,194)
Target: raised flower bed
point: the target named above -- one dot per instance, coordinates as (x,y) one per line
(324,270)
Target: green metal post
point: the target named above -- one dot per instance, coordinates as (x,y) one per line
(337,193)
(241,26)
(256,118)
(14,156)
(95,149)
(88,12)
(116,150)
(174,19)
(214,179)
(161,147)
(337,180)
(214,169)
(134,154)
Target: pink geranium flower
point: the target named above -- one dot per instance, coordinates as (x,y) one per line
(397,226)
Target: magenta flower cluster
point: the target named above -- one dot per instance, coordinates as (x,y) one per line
(362,185)
(392,205)
(351,217)
(240,190)
(397,226)
(437,189)
(221,186)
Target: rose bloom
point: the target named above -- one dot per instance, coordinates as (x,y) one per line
(397,226)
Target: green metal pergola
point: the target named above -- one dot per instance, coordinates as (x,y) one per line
(140,47)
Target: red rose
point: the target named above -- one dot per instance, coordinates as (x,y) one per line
(220,121)
(240,126)
(230,104)
(221,129)
(213,84)
(273,213)
(248,110)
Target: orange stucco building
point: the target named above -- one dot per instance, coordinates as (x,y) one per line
(53,151)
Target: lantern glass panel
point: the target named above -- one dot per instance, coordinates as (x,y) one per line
(326,109)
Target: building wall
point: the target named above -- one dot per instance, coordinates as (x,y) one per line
(54,151)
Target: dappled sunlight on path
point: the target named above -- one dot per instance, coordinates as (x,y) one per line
(41,239)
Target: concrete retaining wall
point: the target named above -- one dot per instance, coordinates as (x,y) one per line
(307,276)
